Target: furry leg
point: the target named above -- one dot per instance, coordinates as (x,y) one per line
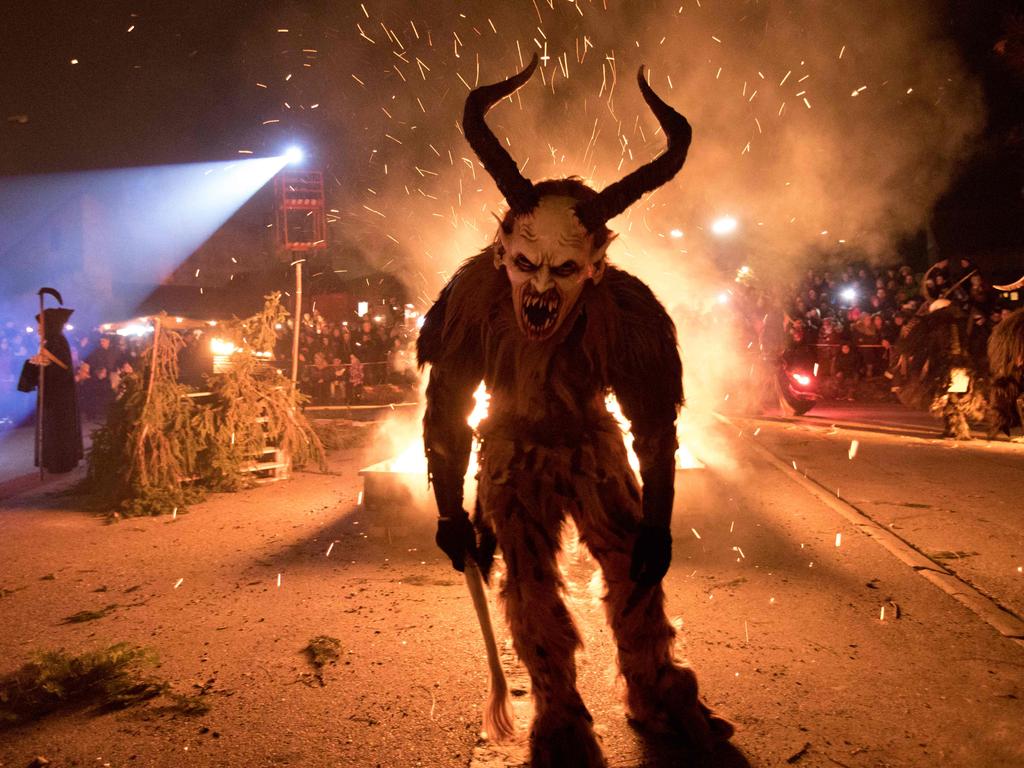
(661,694)
(954,419)
(543,631)
(1020,415)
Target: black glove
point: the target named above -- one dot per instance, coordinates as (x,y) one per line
(485,551)
(652,554)
(457,538)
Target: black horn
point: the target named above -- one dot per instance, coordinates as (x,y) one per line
(518,191)
(617,197)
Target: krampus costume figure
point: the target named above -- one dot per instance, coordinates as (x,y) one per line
(1006,364)
(551,327)
(941,376)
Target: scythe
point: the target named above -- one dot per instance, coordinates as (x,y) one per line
(41,391)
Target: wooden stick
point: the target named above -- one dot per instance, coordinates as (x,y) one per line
(498,722)
(139,452)
(41,392)
(297,318)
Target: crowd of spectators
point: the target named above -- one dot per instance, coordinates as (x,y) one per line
(370,360)
(100,360)
(851,320)
(855,318)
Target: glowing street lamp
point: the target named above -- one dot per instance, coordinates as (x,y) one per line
(724,225)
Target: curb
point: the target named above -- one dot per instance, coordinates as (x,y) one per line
(19,484)
(1006,623)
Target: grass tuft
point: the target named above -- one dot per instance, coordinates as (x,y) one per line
(103,680)
(323,650)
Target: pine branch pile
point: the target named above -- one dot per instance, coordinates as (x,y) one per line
(143,457)
(106,679)
(161,449)
(254,403)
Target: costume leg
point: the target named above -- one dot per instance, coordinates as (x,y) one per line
(661,693)
(527,524)
(1020,415)
(954,420)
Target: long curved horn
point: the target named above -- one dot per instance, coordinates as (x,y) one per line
(925,291)
(617,197)
(1010,286)
(518,191)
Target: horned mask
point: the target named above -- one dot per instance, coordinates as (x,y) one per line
(554,237)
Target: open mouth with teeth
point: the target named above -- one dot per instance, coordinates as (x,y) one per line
(540,312)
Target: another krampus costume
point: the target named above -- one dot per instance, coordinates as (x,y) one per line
(940,374)
(551,328)
(1006,365)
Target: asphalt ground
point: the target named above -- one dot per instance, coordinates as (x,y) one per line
(823,646)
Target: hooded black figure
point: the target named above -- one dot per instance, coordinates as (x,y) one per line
(62,425)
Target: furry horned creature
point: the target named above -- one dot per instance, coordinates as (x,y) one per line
(941,376)
(551,327)
(1006,363)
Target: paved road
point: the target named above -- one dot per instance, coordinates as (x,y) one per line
(825,648)
(18,472)
(822,646)
(959,503)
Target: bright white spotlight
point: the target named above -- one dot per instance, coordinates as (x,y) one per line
(724,225)
(222,347)
(848,294)
(677,233)
(294,155)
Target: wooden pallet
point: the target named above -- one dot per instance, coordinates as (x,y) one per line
(273,465)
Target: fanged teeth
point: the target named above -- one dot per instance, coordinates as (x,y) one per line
(548,304)
(541,328)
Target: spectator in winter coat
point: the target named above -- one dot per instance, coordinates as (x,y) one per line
(846,371)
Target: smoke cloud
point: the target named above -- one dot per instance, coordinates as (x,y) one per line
(820,127)
(823,128)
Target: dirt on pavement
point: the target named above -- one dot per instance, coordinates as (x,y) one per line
(782,626)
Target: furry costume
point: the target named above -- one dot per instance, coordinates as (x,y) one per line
(1006,363)
(936,359)
(550,328)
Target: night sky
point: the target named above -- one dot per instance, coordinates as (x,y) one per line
(376,89)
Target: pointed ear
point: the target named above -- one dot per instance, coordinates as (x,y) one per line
(600,260)
(500,245)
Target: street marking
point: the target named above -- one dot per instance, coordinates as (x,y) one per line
(1006,623)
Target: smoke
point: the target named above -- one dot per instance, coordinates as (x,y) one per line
(825,129)
(822,127)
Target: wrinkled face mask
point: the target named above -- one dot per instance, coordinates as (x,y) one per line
(549,256)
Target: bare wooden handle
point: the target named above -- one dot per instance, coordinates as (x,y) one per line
(497,721)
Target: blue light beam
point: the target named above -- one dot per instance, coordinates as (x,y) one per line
(105,239)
